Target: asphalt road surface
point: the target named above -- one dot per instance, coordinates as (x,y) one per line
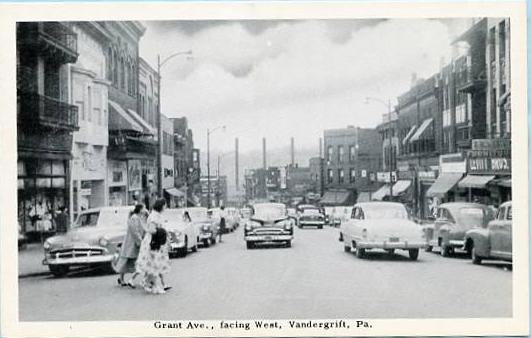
(312,279)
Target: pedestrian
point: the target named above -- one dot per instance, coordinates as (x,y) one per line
(145,261)
(130,247)
(222,222)
(157,256)
(186,217)
(61,220)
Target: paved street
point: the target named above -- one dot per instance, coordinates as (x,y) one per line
(313,279)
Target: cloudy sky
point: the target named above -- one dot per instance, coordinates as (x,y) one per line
(280,79)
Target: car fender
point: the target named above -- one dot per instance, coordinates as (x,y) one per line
(480,238)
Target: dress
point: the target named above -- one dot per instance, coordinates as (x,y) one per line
(152,262)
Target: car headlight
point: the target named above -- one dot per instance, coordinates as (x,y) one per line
(103,241)
(205,227)
(47,245)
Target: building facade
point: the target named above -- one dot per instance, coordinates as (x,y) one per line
(172,196)
(45,122)
(352,157)
(89,92)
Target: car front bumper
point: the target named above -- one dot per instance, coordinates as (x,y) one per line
(206,235)
(456,243)
(87,260)
(301,222)
(391,245)
(268,238)
(174,246)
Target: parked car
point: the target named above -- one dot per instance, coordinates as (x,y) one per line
(206,227)
(381,225)
(94,240)
(453,220)
(292,215)
(245,213)
(183,236)
(229,225)
(310,216)
(233,217)
(333,216)
(494,242)
(269,224)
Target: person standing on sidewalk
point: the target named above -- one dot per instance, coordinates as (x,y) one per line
(222,222)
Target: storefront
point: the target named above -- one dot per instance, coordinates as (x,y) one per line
(426,178)
(117,182)
(488,179)
(42,193)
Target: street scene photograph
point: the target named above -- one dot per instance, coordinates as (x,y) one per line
(276,169)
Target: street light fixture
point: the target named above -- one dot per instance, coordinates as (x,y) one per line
(160,63)
(209,131)
(391,161)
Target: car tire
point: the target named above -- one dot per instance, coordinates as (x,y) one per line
(413,254)
(360,252)
(182,252)
(213,241)
(341,237)
(59,270)
(206,243)
(347,248)
(429,248)
(320,227)
(475,258)
(288,244)
(390,251)
(194,248)
(250,245)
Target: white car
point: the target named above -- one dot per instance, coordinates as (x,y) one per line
(205,226)
(381,225)
(311,216)
(182,235)
(233,217)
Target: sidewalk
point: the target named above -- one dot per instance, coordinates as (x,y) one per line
(30,261)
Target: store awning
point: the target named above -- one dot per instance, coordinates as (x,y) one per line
(335,198)
(475,181)
(423,127)
(174,192)
(147,128)
(409,133)
(363,197)
(400,186)
(504,182)
(379,194)
(120,120)
(444,182)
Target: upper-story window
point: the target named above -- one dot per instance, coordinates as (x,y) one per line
(330,153)
(340,154)
(352,153)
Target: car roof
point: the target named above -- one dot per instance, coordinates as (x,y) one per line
(374,203)
(455,205)
(275,204)
(506,204)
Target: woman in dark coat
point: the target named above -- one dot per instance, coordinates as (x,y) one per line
(131,246)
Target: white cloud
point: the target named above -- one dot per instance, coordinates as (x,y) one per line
(292,79)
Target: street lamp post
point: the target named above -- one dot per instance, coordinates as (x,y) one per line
(208,162)
(159,118)
(391,161)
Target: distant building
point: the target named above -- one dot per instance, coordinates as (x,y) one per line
(218,191)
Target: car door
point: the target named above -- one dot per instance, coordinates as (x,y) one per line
(348,231)
(440,221)
(501,233)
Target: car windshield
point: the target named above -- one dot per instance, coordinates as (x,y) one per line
(87,219)
(269,211)
(471,216)
(114,217)
(385,212)
(311,212)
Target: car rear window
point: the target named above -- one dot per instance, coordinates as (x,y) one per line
(472,216)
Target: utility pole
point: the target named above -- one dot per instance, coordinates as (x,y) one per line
(236,165)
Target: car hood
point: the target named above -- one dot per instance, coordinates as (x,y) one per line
(267,221)
(87,235)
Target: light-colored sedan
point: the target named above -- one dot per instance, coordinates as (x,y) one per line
(269,224)
(183,236)
(381,225)
(494,242)
(206,227)
(233,217)
(94,240)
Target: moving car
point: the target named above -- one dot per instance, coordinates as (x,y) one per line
(269,224)
(494,242)
(206,227)
(216,216)
(183,236)
(333,216)
(246,213)
(94,240)
(381,225)
(453,220)
(233,217)
(310,215)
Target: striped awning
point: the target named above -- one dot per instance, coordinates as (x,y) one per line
(119,119)
(379,194)
(400,186)
(443,184)
(475,181)
(409,133)
(421,130)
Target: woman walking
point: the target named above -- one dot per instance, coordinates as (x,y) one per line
(149,263)
(130,247)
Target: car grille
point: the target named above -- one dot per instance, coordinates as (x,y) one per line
(73,253)
(311,218)
(269,231)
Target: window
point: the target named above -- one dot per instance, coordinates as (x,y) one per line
(341,175)
(330,153)
(340,153)
(352,153)
(330,176)
(352,175)
(446,118)
(89,103)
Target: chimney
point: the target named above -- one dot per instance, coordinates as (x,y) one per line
(237,166)
(264,158)
(292,151)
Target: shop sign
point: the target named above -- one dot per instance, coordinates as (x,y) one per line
(405,175)
(496,162)
(452,163)
(403,166)
(384,176)
(491,144)
(426,175)
(85,192)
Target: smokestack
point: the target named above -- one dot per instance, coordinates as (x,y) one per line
(292,152)
(264,158)
(320,147)
(413,79)
(237,166)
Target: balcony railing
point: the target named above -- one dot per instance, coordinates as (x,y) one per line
(53,39)
(470,79)
(44,111)
(131,144)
